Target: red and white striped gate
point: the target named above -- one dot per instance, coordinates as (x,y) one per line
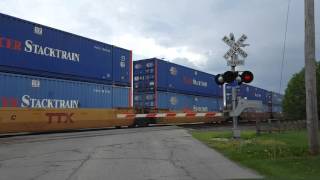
(170,115)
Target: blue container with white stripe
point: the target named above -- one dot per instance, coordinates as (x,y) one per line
(249,92)
(155,74)
(277,98)
(176,102)
(271,101)
(33,49)
(38,92)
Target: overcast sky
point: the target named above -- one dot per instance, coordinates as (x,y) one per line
(187,32)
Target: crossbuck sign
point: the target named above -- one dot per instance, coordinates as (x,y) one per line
(235,49)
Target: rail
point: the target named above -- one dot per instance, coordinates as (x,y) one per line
(277,125)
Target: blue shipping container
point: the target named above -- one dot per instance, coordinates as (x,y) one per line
(271,101)
(122,66)
(277,108)
(277,98)
(249,92)
(35,92)
(34,49)
(265,109)
(177,102)
(155,74)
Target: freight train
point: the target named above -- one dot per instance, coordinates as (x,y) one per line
(271,101)
(53,80)
(161,86)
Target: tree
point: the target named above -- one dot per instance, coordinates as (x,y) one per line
(294,102)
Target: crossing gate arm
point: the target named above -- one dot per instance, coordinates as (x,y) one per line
(169,115)
(244,104)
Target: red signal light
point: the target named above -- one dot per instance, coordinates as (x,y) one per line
(247,76)
(231,76)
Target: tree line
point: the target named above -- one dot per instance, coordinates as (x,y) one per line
(294,102)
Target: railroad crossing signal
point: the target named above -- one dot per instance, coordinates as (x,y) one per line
(235,49)
(231,76)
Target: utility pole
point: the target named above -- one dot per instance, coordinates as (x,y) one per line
(310,78)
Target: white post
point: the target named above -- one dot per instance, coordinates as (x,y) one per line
(235,130)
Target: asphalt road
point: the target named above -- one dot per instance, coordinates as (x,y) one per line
(125,154)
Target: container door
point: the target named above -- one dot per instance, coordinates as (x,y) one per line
(122,66)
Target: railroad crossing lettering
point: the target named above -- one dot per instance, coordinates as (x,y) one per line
(235,63)
(235,47)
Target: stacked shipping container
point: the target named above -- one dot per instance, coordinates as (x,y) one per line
(39,63)
(163,85)
(251,93)
(276,102)
(58,65)
(272,102)
(37,92)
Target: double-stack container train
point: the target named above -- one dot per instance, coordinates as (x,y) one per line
(276,105)
(164,86)
(271,102)
(54,80)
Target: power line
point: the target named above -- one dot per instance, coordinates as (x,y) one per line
(284,46)
(317,40)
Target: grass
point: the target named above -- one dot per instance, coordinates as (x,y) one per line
(276,156)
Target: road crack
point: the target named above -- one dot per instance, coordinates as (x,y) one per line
(80,166)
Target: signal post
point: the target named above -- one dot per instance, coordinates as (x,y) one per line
(236,130)
(233,76)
